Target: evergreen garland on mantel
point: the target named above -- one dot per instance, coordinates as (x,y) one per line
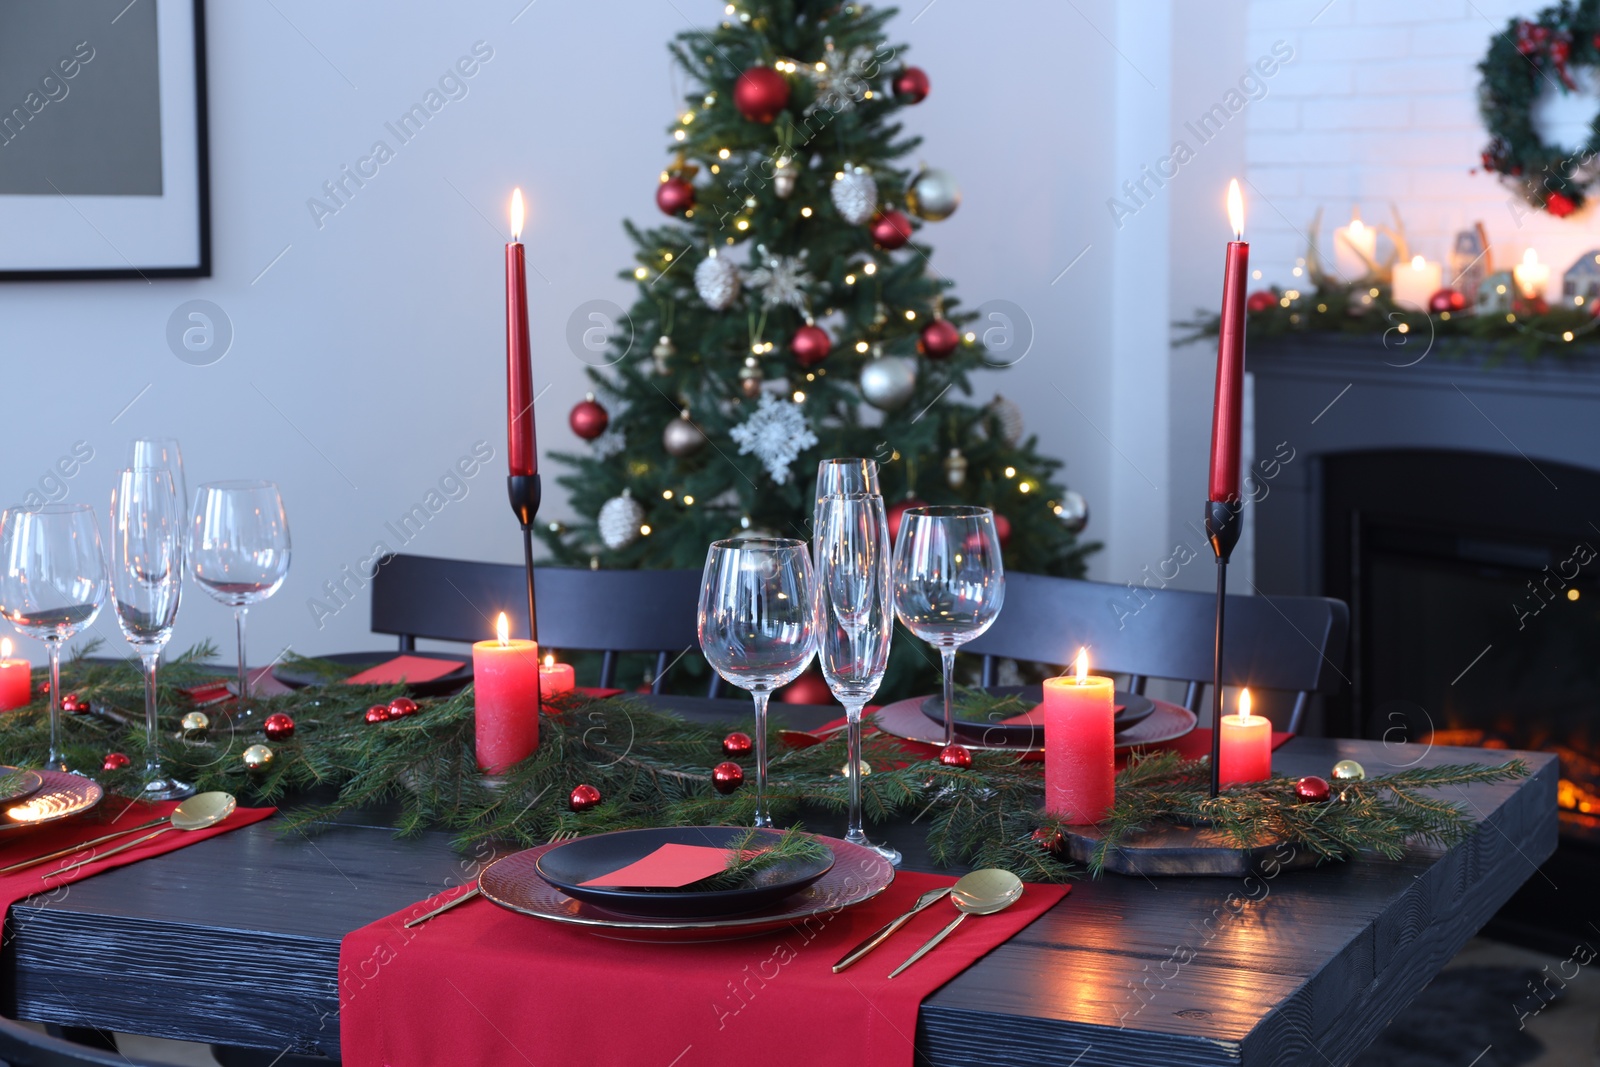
(654,769)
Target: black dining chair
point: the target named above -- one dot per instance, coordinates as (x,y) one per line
(611,612)
(1293,645)
(23,1046)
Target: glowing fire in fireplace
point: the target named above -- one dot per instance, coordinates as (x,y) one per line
(1578,790)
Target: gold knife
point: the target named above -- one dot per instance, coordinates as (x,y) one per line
(930,897)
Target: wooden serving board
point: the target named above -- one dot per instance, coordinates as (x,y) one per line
(1188,850)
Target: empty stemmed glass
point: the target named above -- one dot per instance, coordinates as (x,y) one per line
(755,625)
(239,550)
(52,583)
(162,453)
(948,582)
(854,622)
(146,583)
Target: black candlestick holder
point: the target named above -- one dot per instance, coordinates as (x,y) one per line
(1224,521)
(524,491)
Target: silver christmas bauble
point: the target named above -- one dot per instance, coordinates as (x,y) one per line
(664,350)
(783,175)
(717,281)
(1073,511)
(933,194)
(888,381)
(1009,416)
(619,521)
(855,194)
(682,437)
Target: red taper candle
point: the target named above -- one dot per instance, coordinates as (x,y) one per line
(1228,412)
(521,448)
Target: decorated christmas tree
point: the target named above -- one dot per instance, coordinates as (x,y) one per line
(789,312)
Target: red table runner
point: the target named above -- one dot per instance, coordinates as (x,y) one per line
(114,813)
(484,985)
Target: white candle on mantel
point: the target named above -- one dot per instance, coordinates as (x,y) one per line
(1350,244)
(1531,275)
(1415,282)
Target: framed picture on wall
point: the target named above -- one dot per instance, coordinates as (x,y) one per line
(103,169)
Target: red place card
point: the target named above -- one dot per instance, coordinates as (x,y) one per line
(405,669)
(668,867)
(1035,716)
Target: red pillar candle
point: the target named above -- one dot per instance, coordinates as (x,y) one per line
(555,678)
(505,686)
(1228,411)
(16,679)
(1246,746)
(521,448)
(1079,752)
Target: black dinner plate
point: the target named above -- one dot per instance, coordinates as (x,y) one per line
(592,857)
(294,678)
(1135,708)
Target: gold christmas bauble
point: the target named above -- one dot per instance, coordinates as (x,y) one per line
(1348,770)
(195,724)
(933,194)
(257,757)
(866,769)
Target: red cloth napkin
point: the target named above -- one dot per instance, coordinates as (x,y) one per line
(412,669)
(113,813)
(484,985)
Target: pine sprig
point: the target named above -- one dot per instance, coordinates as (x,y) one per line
(755,852)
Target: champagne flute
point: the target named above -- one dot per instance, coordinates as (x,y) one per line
(854,622)
(841,477)
(948,582)
(146,583)
(52,583)
(162,453)
(239,550)
(755,624)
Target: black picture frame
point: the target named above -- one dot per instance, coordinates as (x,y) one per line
(201,265)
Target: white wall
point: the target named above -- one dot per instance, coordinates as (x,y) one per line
(368,358)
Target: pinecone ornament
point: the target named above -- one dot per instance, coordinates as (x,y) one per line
(717,281)
(855,194)
(619,521)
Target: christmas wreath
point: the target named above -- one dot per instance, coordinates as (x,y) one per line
(1531,55)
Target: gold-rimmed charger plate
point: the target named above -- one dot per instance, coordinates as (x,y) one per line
(16,783)
(904,719)
(858,874)
(60,796)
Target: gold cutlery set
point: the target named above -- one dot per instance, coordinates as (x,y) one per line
(978,893)
(195,813)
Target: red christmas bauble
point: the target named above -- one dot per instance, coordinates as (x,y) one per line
(727,777)
(1002,528)
(1261,300)
(71,702)
(810,345)
(891,229)
(760,93)
(1050,840)
(1311,788)
(675,196)
(911,86)
(377,713)
(809,688)
(400,707)
(278,727)
(1446,300)
(115,761)
(588,419)
(956,756)
(737,744)
(583,797)
(1559,205)
(897,512)
(939,338)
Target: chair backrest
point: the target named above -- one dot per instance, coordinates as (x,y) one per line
(21,1046)
(590,610)
(1291,644)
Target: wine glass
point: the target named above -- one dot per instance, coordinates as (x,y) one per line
(52,583)
(239,550)
(948,582)
(146,583)
(162,453)
(854,622)
(755,625)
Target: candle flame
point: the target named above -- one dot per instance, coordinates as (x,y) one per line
(502,629)
(549,660)
(5,648)
(1417,263)
(1530,258)
(516,214)
(1236,210)
(1357,227)
(1082,665)
(1244,704)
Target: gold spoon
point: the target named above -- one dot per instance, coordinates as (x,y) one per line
(196,813)
(187,807)
(979,893)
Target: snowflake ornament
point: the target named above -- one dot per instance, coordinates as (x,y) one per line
(782,280)
(844,79)
(776,434)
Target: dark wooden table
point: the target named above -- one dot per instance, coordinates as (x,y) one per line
(235,940)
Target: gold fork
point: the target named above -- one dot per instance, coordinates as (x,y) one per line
(559,837)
